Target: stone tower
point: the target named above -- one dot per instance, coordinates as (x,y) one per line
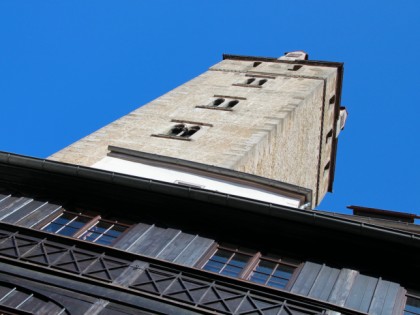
(274,119)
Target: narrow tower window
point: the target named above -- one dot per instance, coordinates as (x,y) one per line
(188,132)
(218,101)
(222,103)
(232,103)
(262,81)
(181,131)
(177,130)
(294,67)
(329,136)
(256,81)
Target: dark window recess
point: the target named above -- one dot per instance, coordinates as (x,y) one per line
(253,82)
(88,227)
(256,63)
(218,101)
(232,103)
(332,100)
(412,306)
(329,135)
(177,130)
(221,103)
(183,131)
(252,266)
(294,67)
(262,81)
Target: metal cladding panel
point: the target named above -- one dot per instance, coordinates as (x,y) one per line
(342,286)
(306,279)
(176,246)
(22,212)
(194,251)
(132,236)
(155,241)
(12,204)
(3,196)
(361,293)
(168,244)
(385,298)
(38,215)
(348,288)
(324,283)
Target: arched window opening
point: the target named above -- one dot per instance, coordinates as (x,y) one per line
(218,101)
(232,103)
(249,81)
(329,136)
(261,82)
(256,63)
(332,100)
(188,132)
(177,130)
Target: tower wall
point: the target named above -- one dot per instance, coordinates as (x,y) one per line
(277,130)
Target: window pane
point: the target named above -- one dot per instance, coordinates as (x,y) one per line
(222,256)
(116,230)
(105,240)
(52,227)
(59,222)
(277,283)
(64,219)
(284,271)
(231,271)
(97,229)
(79,222)
(213,266)
(67,231)
(412,306)
(89,236)
(258,277)
(239,260)
(266,267)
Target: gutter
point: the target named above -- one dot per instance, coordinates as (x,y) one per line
(311,217)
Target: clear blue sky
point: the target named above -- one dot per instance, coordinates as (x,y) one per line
(69,67)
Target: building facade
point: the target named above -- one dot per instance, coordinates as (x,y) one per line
(200,202)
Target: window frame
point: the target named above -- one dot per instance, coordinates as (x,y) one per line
(416,298)
(255,258)
(94,219)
